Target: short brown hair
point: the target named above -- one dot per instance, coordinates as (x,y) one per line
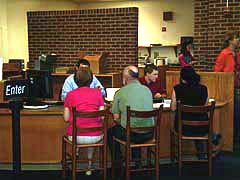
(83,77)
(229,36)
(149,68)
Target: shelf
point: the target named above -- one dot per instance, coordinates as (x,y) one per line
(149,48)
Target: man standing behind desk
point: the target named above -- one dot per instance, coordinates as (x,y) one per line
(138,97)
(70,84)
(152,81)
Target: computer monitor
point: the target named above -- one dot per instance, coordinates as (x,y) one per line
(40,84)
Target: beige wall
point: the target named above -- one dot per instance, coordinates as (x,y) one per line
(13,21)
(16,28)
(3,29)
(151,19)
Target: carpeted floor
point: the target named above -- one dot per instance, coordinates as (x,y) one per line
(226,166)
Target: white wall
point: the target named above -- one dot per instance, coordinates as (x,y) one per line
(151,19)
(17,34)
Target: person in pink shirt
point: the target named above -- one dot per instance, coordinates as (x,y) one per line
(85,99)
(185,57)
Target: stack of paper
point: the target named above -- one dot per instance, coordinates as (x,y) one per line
(110,93)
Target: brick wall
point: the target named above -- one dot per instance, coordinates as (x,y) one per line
(67,33)
(211,21)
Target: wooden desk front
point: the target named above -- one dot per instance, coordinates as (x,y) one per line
(42,131)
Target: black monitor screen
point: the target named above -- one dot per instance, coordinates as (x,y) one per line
(40,84)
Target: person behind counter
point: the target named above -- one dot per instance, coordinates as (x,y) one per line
(152,81)
(84,98)
(69,83)
(190,92)
(185,57)
(138,97)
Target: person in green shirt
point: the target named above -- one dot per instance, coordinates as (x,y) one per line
(138,97)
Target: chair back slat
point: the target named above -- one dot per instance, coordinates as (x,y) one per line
(195,109)
(143,114)
(91,114)
(92,129)
(195,123)
(143,128)
(102,114)
(155,114)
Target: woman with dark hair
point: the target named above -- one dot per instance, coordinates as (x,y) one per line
(185,57)
(190,92)
(84,98)
(227,60)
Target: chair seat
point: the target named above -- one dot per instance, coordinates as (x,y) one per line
(147,143)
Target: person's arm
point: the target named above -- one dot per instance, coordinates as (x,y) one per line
(66,110)
(182,61)
(67,86)
(173,101)
(219,64)
(66,114)
(160,90)
(96,84)
(115,109)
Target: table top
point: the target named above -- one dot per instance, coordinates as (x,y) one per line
(58,109)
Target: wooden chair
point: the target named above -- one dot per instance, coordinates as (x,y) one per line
(69,157)
(153,143)
(180,138)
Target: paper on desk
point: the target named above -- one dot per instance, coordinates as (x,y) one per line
(110,93)
(166,104)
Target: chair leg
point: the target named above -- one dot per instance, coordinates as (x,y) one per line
(113,159)
(209,158)
(148,157)
(127,163)
(180,158)
(105,162)
(74,164)
(157,161)
(64,159)
(172,147)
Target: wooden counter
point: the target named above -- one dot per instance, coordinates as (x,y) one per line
(42,131)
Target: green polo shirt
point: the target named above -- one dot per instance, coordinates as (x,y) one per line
(138,97)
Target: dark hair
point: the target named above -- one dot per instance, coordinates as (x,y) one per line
(190,76)
(229,36)
(83,62)
(83,77)
(184,45)
(149,68)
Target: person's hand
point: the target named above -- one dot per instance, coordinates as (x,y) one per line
(158,95)
(193,62)
(98,87)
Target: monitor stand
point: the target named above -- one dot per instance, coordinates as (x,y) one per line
(34,103)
